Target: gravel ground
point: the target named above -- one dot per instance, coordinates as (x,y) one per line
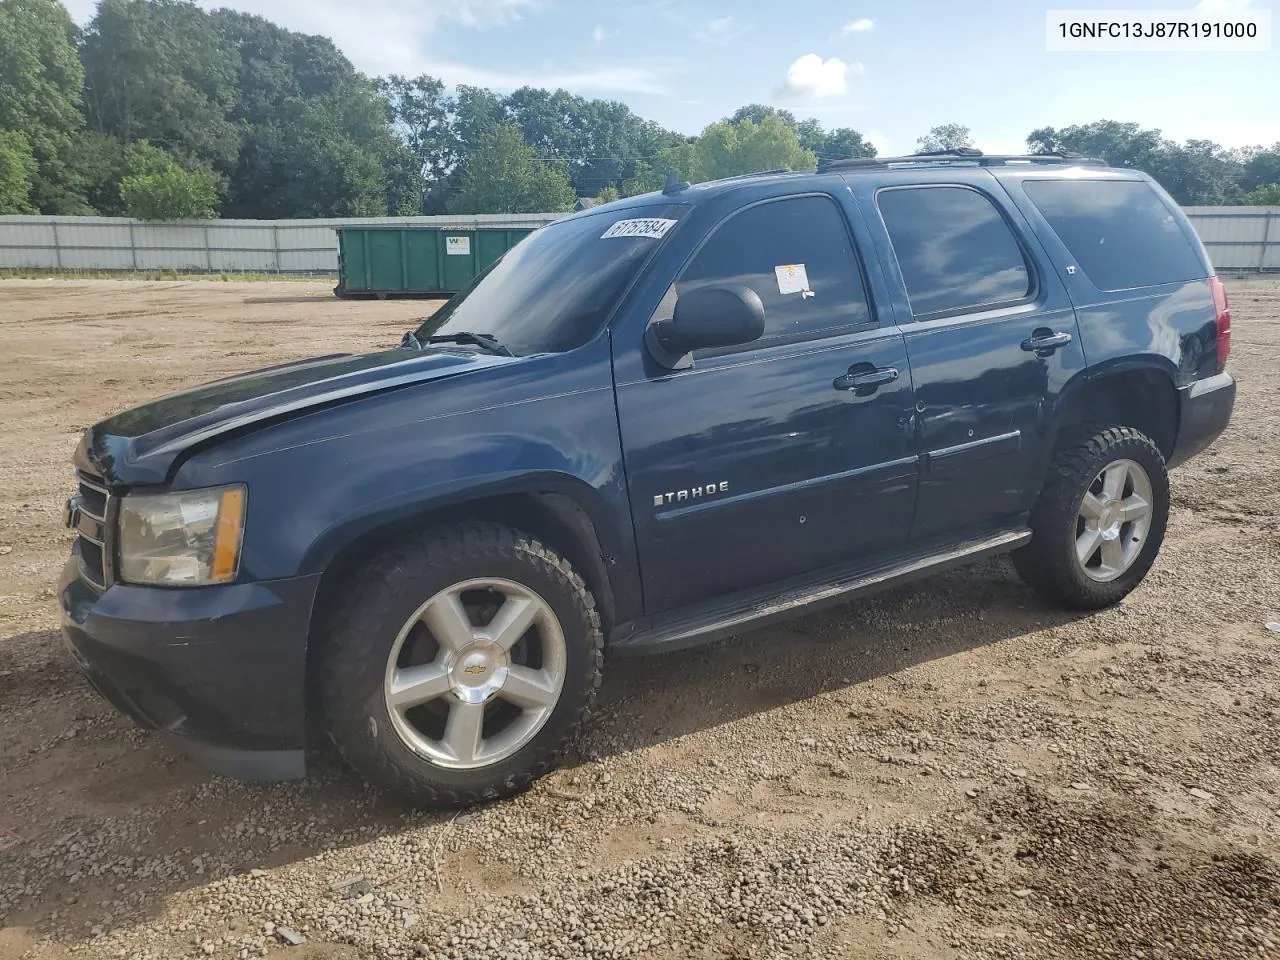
(949,770)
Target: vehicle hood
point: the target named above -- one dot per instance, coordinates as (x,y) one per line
(140,445)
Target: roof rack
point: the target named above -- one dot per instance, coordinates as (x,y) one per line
(958,155)
(757,173)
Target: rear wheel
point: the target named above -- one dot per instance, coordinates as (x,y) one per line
(459,670)
(1100,518)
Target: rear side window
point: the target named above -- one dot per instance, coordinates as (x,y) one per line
(956,251)
(1120,232)
(797,255)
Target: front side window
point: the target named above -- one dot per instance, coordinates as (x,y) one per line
(956,252)
(796,254)
(1119,231)
(556,288)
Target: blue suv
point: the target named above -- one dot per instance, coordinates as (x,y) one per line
(655,423)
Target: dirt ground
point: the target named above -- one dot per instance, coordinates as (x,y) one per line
(950,770)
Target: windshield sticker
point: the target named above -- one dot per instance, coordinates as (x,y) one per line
(792,278)
(654,228)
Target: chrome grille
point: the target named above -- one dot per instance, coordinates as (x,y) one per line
(89,520)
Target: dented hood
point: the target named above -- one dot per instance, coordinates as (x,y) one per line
(140,445)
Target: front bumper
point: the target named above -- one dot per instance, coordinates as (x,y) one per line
(222,669)
(1205,411)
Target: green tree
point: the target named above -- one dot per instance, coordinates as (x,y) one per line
(608,194)
(403,186)
(646,178)
(1199,172)
(41,82)
(1261,167)
(546,120)
(18,169)
(503,175)
(157,187)
(1119,144)
(1195,172)
(1265,195)
(603,140)
(727,149)
(162,71)
(317,136)
(811,136)
(420,112)
(610,141)
(99,162)
(947,136)
(845,143)
(757,112)
(306,169)
(475,114)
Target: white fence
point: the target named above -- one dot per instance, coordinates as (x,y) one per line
(232,246)
(1237,238)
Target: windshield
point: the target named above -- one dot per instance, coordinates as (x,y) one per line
(554,290)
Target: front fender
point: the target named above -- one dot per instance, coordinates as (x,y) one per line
(318,482)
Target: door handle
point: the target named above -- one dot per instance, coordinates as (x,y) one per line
(1044,341)
(867,381)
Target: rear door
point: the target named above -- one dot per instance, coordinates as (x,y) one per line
(990,333)
(1134,267)
(782,456)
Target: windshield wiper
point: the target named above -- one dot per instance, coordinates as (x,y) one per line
(485,341)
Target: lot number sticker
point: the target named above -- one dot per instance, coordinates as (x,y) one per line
(457,246)
(653,227)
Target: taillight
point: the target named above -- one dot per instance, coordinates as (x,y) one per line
(1222,318)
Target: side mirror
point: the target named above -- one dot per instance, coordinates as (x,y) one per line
(708,317)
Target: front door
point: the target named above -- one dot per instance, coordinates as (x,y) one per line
(992,339)
(788,454)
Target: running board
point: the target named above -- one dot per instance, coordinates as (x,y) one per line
(725,619)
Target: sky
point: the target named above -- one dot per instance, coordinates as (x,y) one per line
(888,68)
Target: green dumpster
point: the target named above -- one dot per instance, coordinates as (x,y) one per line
(417,261)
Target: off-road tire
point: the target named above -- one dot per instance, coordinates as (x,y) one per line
(360,630)
(1048,563)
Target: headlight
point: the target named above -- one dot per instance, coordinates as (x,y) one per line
(188,538)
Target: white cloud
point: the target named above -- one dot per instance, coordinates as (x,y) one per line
(721,31)
(598,34)
(861,25)
(879,141)
(811,76)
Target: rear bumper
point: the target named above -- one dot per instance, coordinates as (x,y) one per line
(1206,407)
(221,670)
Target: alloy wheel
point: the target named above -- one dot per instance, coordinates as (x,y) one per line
(1113,521)
(475,673)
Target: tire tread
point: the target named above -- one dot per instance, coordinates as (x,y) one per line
(1080,453)
(371,594)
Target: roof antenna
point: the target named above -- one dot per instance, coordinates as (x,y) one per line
(674,184)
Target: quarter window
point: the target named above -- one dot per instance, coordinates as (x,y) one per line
(796,254)
(956,251)
(1121,234)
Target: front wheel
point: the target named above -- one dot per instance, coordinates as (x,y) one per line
(1100,519)
(459,669)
